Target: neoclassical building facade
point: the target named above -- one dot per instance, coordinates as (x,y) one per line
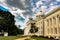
(48,25)
(29,25)
(52,23)
(39,23)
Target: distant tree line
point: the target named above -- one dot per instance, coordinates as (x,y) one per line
(7,23)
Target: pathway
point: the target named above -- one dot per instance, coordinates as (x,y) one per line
(22,38)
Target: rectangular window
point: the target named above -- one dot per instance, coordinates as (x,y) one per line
(55,30)
(54,19)
(47,23)
(50,21)
(41,32)
(59,29)
(48,31)
(51,30)
(59,19)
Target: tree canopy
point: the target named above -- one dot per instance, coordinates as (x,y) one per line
(7,23)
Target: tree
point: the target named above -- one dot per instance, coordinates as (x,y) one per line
(7,23)
(20,31)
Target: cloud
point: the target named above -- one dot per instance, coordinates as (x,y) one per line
(39,3)
(33,9)
(21,23)
(23,9)
(20,9)
(43,8)
(47,1)
(22,4)
(15,3)
(58,0)
(2,0)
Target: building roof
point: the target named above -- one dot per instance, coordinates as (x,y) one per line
(52,11)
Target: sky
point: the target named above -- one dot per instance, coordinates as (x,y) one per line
(25,9)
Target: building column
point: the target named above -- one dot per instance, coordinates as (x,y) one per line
(57,24)
(53,25)
(49,28)
(45,28)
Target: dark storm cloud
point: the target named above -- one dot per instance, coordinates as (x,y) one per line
(18,3)
(15,3)
(28,13)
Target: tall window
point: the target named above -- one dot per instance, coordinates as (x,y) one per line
(59,19)
(41,32)
(55,30)
(51,30)
(57,16)
(54,19)
(48,31)
(50,21)
(47,23)
(59,29)
(39,16)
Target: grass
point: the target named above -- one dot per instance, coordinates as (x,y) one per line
(10,37)
(16,37)
(40,38)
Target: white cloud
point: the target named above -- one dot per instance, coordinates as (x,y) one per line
(21,23)
(50,9)
(2,0)
(33,9)
(20,11)
(24,4)
(58,0)
(51,4)
(43,8)
(39,3)
(17,11)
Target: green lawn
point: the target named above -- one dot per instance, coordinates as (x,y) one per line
(9,37)
(15,37)
(40,38)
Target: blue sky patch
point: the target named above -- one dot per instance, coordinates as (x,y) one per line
(4,9)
